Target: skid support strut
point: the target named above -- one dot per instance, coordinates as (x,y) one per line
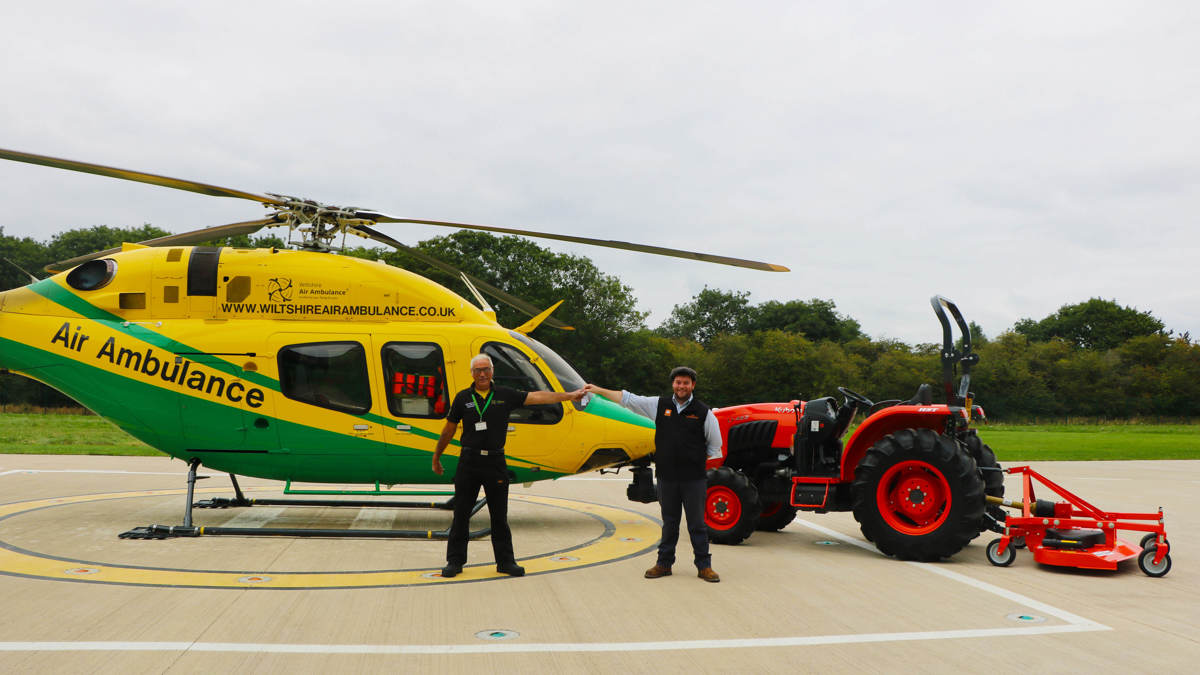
(187,529)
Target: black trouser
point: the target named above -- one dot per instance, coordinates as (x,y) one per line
(686,496)
(490,473)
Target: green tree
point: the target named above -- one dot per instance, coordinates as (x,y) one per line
(815,319)
(711,312)
(602,310)
(17,255)
(1007,381)
(1095,324)
(77,242)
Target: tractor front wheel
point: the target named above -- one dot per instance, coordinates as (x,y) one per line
(918,495)
(775,516)
(731,508)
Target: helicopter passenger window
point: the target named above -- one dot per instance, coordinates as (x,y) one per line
(513,369)
(327,374)
(415,374)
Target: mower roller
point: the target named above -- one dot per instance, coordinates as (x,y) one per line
(1074,533)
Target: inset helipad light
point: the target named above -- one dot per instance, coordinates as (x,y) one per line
(256,579)
(826,542)
(1026,618)
(502,634)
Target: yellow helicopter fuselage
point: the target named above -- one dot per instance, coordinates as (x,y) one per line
(294,365)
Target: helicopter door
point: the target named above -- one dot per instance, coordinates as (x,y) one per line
(533,431)
(325,411)
(224,413)
(417,395)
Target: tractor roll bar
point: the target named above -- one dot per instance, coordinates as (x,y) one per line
(951,356)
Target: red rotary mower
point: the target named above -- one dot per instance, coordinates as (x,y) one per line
(1073,533)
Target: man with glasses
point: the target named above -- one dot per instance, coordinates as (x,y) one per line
(483,408)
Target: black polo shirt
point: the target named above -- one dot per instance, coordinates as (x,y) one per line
(501,402)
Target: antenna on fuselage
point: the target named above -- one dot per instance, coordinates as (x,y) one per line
(483,304)
(32,279)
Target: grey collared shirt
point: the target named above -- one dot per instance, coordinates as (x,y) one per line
(647,406)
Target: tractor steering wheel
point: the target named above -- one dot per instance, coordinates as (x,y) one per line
(856,397)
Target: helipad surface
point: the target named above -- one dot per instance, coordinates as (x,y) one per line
(814,597)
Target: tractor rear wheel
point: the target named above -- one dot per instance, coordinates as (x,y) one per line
(993,483)
(775,516)
(918,495)
(732,507)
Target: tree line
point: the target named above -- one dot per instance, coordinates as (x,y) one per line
(1094,358)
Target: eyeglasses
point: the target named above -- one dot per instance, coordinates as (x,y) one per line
(486,369)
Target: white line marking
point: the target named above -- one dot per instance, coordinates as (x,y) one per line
(255,517)
(375,519)
(1074,624)
(962,578)
(547,647)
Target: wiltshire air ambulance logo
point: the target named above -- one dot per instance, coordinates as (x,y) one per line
(279,290)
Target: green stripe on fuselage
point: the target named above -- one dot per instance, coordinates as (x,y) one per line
(230,440)
(602,407)
(57,294)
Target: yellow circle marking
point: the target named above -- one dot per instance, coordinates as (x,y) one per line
(628,536)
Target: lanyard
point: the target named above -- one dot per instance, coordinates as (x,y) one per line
(486,402)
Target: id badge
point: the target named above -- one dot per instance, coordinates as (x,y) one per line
(481,426)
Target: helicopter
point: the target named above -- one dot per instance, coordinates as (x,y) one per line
(296,364)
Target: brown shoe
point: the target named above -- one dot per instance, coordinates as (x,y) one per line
(707,574)
(658,571)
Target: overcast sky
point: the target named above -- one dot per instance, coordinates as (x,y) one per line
(1013,156)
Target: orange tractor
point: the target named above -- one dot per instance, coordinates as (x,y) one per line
(914,472)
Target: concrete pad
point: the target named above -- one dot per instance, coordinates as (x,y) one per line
(813,597)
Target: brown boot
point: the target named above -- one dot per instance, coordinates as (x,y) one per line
(658,571)
(707,574)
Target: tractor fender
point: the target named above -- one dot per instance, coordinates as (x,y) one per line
(887,421)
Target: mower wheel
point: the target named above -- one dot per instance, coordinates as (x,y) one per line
(1146,562)
(918,495)
(775,516)
(732,507)
(1010,554)
(993,483)
(1150,539)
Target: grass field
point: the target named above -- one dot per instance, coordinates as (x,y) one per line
(66,435)
(91,435)
(1018,443)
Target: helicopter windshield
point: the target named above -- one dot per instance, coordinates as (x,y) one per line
(566,375)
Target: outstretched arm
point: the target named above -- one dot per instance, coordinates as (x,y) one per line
(613,395)
(537,397)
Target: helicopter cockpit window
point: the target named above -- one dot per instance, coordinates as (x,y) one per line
(415,374)
(567,377)
(327,374)
(514,369)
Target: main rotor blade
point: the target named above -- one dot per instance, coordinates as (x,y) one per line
(505,297)
(181,239)
(608,243)
(137,176)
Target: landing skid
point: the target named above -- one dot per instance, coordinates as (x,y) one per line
(240,500)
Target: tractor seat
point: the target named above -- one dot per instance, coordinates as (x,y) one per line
(924,396)
(1073,539)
